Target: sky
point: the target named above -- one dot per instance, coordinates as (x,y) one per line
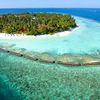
(49,3)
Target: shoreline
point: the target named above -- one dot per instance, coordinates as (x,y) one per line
(18,36)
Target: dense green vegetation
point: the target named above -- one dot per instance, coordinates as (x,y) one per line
(35,23)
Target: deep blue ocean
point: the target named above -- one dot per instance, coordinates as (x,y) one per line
(91,13)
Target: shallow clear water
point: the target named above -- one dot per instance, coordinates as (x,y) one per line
(84,40)
(34,80)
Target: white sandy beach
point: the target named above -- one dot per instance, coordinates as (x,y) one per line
(19,36)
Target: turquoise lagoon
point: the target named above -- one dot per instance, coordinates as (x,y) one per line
(24,79)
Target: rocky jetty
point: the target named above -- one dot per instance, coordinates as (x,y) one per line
(66,59)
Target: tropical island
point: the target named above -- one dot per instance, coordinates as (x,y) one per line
(36,23)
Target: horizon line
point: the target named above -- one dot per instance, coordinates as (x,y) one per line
(50,8)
